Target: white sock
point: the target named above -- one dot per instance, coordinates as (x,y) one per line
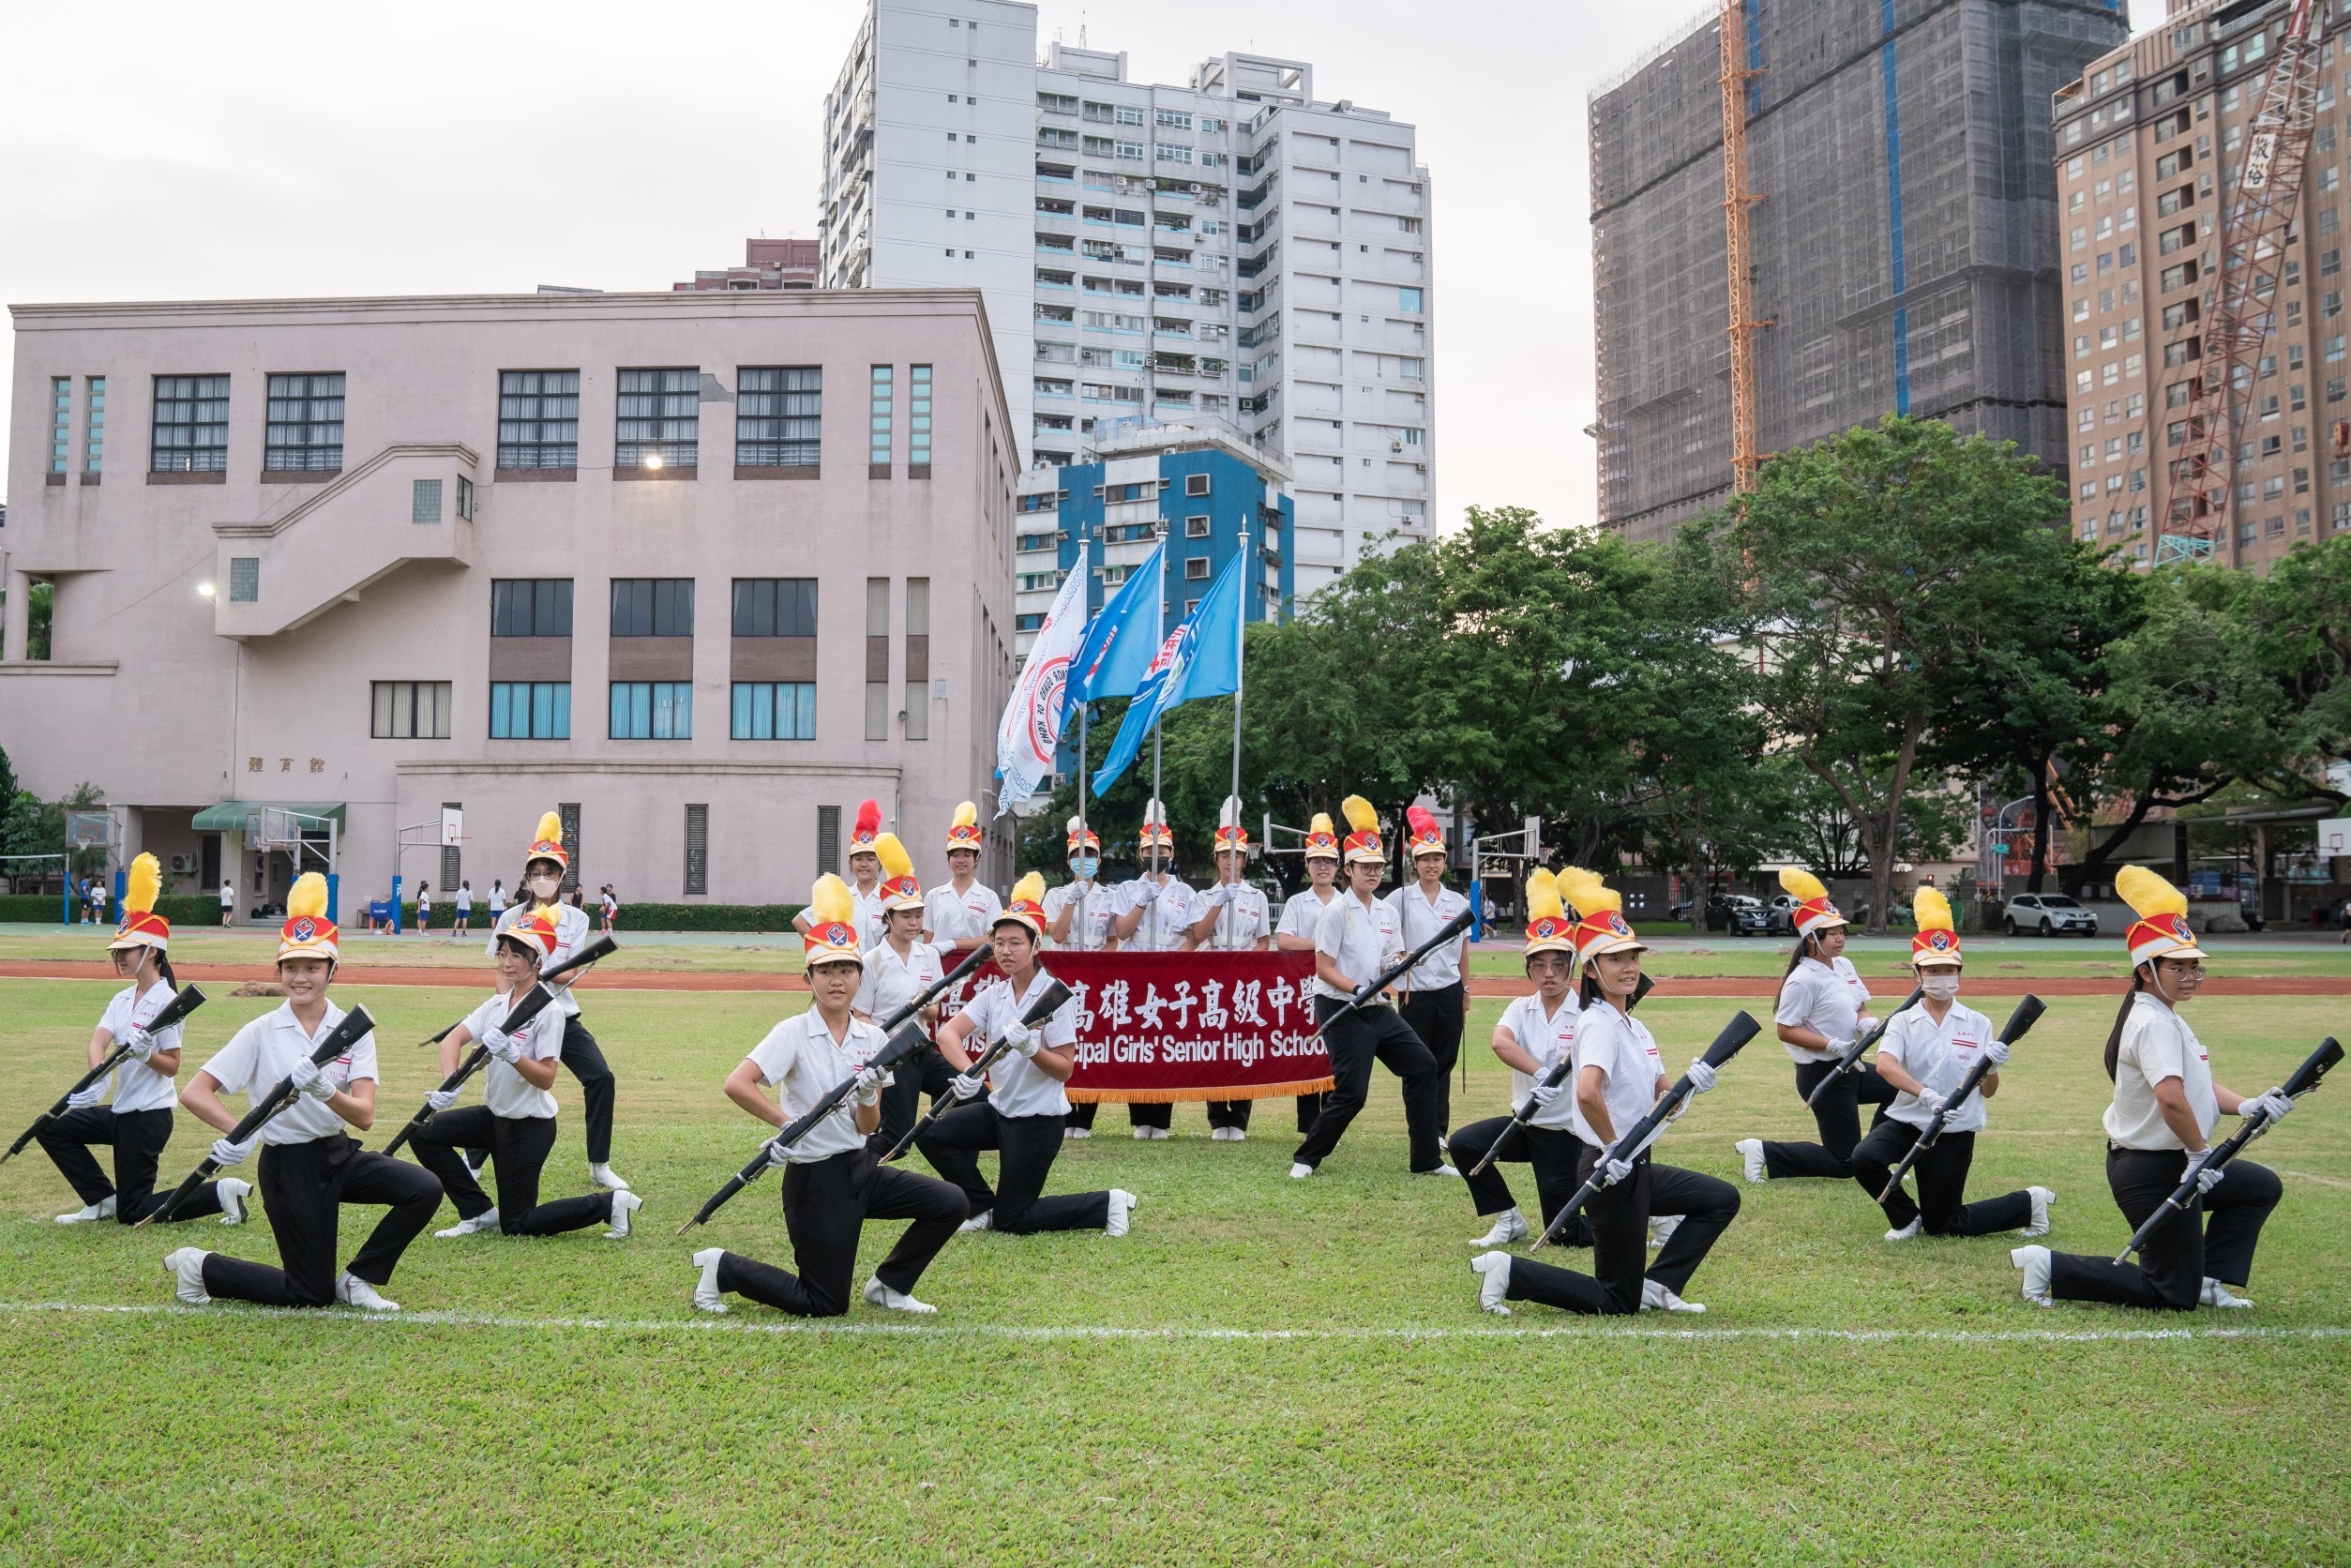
(1751,1158)
(1493,1269)
(625,1203)
(706,1289)
(2034,1260)
(2042,1197)
(1122,1206)
(186,1268)
(232,1193)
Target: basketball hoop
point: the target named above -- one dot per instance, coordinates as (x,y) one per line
(452,827)
(89,830)
(273,827)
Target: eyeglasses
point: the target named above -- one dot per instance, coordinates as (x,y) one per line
(2182,971)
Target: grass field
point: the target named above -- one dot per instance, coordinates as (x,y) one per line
(1264,1371)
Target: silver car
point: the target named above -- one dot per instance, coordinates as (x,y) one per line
(2048,914)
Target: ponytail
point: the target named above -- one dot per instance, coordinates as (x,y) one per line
(2114,1040)
(1588,990)
(163,967)
(1803,946)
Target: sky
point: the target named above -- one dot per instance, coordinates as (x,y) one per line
(263,149)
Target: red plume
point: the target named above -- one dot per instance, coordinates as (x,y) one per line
(1424,825)
(869,819)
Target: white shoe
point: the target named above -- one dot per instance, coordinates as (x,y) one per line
(1509,1226)
(606,1177)
(1656,1298)
(1440,1170)
(625,1203)
(353,1292)
(1145,1135)
(1661,1227)
(1444,1144)
(984,1220)
(2217,1295)
(232,1194)
(1494,1282)
(1903,1233)
(880,1294)
(485,1220)
(706,1289)
(1750,1155)
(186,1266)
(1077,1132)
(2042,1197)
(90,1213)
(2034,1260)
(1122,1212)
(1300,1170)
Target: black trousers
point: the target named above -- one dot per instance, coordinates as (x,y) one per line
(1838,1115)
(826,1205)
(1619,1246)
(1027,1146)
(1550,1151)
(584,1059)
(518,1147)
(1365,1035)
(2185,1249)
(1159,1114)
(1942,1178)
(138,1137)
(1436,1016)
(303,1187)
(925,1076)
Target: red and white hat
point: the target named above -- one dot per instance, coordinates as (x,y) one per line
(537,930)
(1026,907)
(832,934)
(1155,834)
(141,926)
(1599,927)
(1548,928)
(1936,944)
(869,827)
(1232,832)
(2160,931)
(1421,835)
(307,933)
(898,889)
(1815,914)
(548,844)
(964,832)
(1362,845)
(1081,836)
(1322,840)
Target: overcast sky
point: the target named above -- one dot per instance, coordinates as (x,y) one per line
(175,152)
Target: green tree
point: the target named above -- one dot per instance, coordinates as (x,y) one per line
(2299,619)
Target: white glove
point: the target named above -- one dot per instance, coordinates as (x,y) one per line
(501,1046)
(1932,1103)
(2209,1176)
(776,1154)
(1544,1090)
(1223,894)
(1612,1170)
(1996,1053)
(966,1085)
(440,1099)
(1146,893)
(307,1078)
(2274,1101)
(868,1086)
(140,1043)
(1701,1075)
(87,1099)
(225,1153)
(1838,1047)
(1020,1037)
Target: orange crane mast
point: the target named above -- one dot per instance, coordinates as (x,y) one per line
(1745,456)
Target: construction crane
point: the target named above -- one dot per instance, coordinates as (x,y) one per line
(2257,220)
(1745,459)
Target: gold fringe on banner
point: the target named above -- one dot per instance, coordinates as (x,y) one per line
(1168,1096)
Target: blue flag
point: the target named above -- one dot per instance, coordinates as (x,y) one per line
(1120,642)
(1200,659)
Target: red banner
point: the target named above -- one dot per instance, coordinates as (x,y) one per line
(1207,1025)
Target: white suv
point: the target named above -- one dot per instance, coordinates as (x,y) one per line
(2048,914)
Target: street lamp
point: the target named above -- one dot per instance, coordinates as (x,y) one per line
(204,590)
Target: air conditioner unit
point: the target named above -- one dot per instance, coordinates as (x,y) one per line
(1420,468)
(1118,182)
(1194,188)
(181,865)
(1396,447)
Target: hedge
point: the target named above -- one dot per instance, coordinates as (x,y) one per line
(194,911)
(41,908)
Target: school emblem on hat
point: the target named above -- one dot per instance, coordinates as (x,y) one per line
(835,934)
(1940,941)
(303,930)
(1616,925)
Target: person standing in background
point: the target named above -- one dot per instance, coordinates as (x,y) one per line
(1230,916)
(465,906)
(1302,917)
(1435,1001)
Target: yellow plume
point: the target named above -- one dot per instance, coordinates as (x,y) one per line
(308,897)
(1801,883)
(1929,909)
(829,902)
(550,829)
(1030,889)
(1321,823)
(140,887)
(2148,893)
(1543,897)
(896,862)
(1586,893)
(966,815)
(1360,815)
(551,913)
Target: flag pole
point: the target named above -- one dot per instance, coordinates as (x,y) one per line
(1240,647)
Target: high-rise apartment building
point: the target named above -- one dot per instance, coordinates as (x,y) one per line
(2150,141)
(1905,249)
(1231,251)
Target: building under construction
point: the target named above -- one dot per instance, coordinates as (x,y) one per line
(1905,236)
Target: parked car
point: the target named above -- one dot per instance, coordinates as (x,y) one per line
(2048,914)
(2249,907)
(1739,914)
(1779,913)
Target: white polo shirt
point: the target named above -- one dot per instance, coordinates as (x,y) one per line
(2157,1044)
(1302,913)
(1621,1048)
(261,1054)
(1826,997)
(1550,1039)
(950,918)
(1163,924)
(1089,927)
(1420,918)
(572,930)
(891,982)
(802,1062)
(505,1092)
(1938,1056)
(465,900)
(1361,936)
(1241,924)
(1016,1086)
(138,1086)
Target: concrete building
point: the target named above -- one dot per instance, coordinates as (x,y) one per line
(1233,250)
(1905,252)
(770,264)
(373,557)
(2150,140)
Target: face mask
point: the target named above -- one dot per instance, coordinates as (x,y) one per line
(543,888)
(1942,987)
(1084,866)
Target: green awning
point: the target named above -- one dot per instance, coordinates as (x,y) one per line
(230,815)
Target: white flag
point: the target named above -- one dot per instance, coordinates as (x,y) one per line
(1031,727)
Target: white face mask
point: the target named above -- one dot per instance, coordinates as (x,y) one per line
(1942,987)
(544,888)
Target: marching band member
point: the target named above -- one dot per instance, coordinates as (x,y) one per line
(955,917)
(1619,1078)
(1158,919)
(309,1165)
(543,870)
(2158,1130)
(1924,1054)
(1355,943)
(1021,1117)
(1823,1008)
(1231,917)
(516,1120)
(900,966)
(1435,1001)
(138,1124)
(834,1178)
(1082,913)
(1302,917)
(1535,1034)
(865,869)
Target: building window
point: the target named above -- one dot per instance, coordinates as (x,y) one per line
(653,711)
(777,416)
(529,710)
(305,428)
(1196,527)
(877,659)
(410,710)
(653,607)
(878,438)
(918,658)
(191,425)
(424,501)
(658,418)
(773,711)
(538,419)
(774,607)
(1409,299)
(828,839)
(530,607)
(918,421)
(60,423)
(465,498)
(697,850)
(1195,568)
(244,578)
(94,428)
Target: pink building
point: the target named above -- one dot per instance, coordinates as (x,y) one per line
(701,570)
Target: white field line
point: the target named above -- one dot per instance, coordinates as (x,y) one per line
(1036,1332)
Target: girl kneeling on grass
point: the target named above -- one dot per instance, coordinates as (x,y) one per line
(516,1121)
(309,1166)
(1026,1108)
(833,1181)
(1618,1079)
